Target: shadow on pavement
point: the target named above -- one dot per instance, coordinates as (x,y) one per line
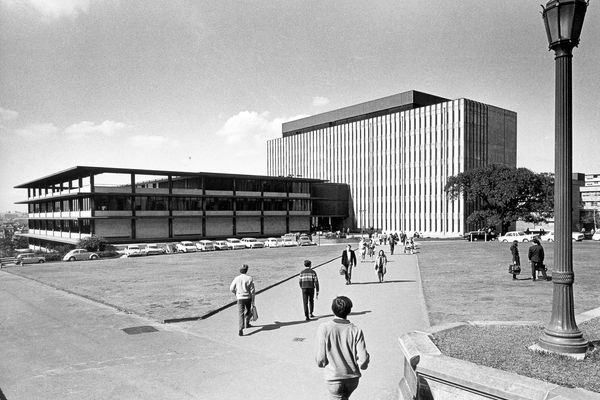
(377,283)
(279,324)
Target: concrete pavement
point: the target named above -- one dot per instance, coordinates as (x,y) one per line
(60,346)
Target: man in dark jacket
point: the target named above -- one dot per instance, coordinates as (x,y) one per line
(536,257)
(309,283)
(348,261)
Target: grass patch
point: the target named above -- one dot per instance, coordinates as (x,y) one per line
(465,281)
(506,348)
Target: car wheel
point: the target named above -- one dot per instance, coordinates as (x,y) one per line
(72,259)
(41,261)
(525,240)
(94,257)
(551,240)
(505,241)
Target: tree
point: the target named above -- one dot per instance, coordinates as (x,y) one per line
(501,195)
(93,243)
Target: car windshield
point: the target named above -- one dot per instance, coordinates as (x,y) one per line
(233,240)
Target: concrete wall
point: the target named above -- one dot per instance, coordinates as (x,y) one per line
(275,226)
(113,228)
(187,226)
(219,226)
(248,225)
(299,224)
(152,228)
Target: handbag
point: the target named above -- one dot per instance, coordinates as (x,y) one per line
(343,270)
(253,313)
(514,269)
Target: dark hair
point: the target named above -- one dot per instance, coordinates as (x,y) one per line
(341,306)
(536,240)
(244,269)
(307,263)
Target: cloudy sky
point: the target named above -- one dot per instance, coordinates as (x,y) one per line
(200,85)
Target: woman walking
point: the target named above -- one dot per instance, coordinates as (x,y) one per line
(380,265)
(516,260)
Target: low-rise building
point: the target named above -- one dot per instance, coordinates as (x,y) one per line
(125,205)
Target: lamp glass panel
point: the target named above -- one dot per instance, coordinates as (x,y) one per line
(552,24)
(567,12)
(578,20)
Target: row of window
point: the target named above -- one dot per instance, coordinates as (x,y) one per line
(208,183)
(58,225)
(161,203)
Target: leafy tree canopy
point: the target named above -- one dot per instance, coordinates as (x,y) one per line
(503,194)
(93,243)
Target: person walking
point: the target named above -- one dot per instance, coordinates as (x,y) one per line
(243,287)
(536,257)
(392,241)
(380,265)
(341,351)
(516,260)
(309,284)
(348,261)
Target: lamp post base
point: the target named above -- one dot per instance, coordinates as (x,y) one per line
(538,348)
(564,343)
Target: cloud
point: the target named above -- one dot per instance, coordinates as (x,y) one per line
(85,128)
(7,115)
(150,142)
(54,9)
(250,125)
(319,101)
(37,131)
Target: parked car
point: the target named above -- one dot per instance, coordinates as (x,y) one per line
(519,236)
(480,235)
(186,247)
(596,235)
(252,243)
(133,250)
(288,242)
(575,236)
(80,255)
(272,242)
(235,244)
(29,258)
(221,245)
(305,241)
(152,249)
(205,245)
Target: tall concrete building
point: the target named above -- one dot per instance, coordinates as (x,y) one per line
(397,153)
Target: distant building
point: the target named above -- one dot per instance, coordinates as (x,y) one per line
(590,202)
(397,153)
(129,205)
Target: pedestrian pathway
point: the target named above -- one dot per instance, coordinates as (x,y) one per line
(281,345)
(58,345)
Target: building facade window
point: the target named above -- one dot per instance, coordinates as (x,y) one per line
(219,204)
(247,205)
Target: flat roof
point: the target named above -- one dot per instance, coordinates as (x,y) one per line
(84,171)
(385,105)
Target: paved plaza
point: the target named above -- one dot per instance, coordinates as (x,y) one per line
(58,345)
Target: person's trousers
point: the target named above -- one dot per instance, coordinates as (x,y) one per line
(342,389)
(534,267)
(244,306)
(308,299)
(348,273)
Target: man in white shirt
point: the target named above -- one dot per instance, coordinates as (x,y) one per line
(243,288)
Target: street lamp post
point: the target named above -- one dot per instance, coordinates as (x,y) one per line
(563,20)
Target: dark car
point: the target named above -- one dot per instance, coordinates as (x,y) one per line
(480,235)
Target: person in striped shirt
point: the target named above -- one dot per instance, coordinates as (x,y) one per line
(309,283)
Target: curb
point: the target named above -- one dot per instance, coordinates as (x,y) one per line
(422,294)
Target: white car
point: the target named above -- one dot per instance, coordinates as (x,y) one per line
(235,244)
(186,247)
(575,236)
(252,243)
(133,250)
(596,236)
(205,245)
(80,254)
(288,242)
(519,236)
(152,249)
(29,258)
(305,241)
(272,242)
(221,245)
